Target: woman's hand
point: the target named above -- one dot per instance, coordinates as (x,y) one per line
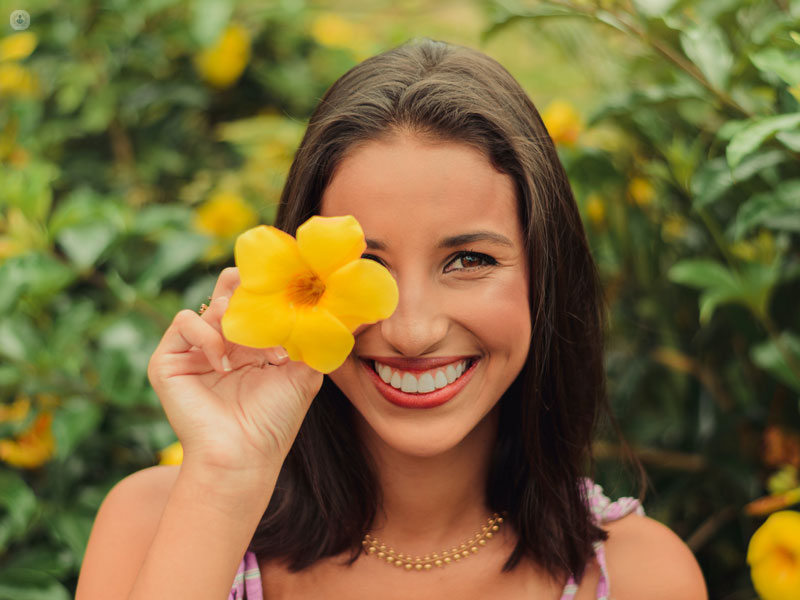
(237,421)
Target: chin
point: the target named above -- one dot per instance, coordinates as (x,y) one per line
(421,439)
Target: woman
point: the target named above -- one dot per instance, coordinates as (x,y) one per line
(473,490)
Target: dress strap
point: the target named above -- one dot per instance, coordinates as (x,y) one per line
(603,511)
(247,583)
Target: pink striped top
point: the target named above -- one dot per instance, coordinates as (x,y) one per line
(247,583)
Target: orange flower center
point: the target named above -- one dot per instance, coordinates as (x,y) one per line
(785,557)
(306,290)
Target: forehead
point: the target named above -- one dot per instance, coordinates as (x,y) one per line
(409,185)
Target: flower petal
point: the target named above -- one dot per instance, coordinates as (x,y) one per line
(257,320)
(327,243)
(268,259)
(322,339)
(361,291)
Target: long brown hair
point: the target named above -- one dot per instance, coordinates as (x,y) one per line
(326,496)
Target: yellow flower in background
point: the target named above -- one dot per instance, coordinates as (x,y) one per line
(774,557)
(15,412)
(641,191)
(330,29)
(171,455)
(307,294)
(596,209)
(563,122)
(33,447)
(760,249)
(224,214)
(16,80)
(223,63)
(674,227)
(17,45)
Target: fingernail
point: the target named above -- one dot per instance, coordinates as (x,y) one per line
(226,364)
(281,354)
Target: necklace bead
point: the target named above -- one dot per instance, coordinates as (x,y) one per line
(374,547)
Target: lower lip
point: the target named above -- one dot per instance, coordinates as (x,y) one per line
(427,400)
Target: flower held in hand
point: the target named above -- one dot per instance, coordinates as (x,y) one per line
(307,294)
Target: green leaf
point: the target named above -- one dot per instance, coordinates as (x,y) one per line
(55,562)
(19,339)
(75,420)
(715,177)
(654,8)
(767,356)
(773,60)
(72,529)
(755,133)
(703,273)
(707,47)
(779,209)
(790,139)
(177,252)
(30,584)
(209,18)
(34,274)
(84,243)
(752,287)
(19,503)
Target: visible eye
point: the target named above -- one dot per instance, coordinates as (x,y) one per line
(473,260)
(469,260)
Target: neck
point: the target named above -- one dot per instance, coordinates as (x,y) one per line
(433,503)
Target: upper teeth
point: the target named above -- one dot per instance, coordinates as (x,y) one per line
(424,382)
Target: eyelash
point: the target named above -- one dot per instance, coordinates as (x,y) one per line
(485,257)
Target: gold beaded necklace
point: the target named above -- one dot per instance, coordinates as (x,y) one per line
(437,559)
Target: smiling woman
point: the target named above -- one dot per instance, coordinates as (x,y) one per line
(459,429)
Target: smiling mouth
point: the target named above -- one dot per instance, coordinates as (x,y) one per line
(432,396)
(420,382)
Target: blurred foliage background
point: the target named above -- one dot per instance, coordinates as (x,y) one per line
(138,138)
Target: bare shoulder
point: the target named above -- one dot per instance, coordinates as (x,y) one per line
(123,530)
(647,560)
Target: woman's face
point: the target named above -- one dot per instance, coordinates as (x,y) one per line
(460,299)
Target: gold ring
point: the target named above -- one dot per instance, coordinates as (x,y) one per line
(203,307)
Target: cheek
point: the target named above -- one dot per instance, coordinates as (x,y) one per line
(499,314)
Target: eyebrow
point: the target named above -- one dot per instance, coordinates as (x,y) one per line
(457,240)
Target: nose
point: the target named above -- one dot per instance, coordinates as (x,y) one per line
(419,324)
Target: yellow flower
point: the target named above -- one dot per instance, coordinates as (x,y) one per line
(17,411)
(674,227)
(224,215)
(222,64)
(33,447)
(330,29)
(641,191)
(171,455)
(562,121)
(774,557)
(16,80)
(307,294)
(17,45)
(596,209)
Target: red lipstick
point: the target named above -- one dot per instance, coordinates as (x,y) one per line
(427,400)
